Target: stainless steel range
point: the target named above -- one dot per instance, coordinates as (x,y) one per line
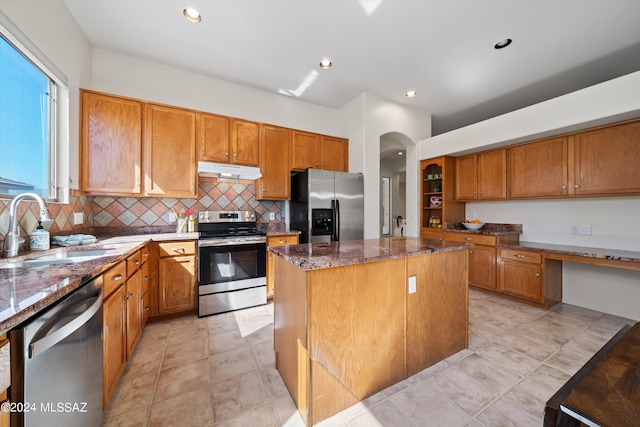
(232,258)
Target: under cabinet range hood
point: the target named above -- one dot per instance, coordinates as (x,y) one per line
(221,170)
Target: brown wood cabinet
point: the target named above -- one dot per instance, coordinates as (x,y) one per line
(111,145)
(170,155)
(526,273)
(5,378)
(114,342)
(607,159)
(226,140)
(310,150)
(438,180)
(134,311)
(274,164)
(146,279)
(482,176)
(176,277)
(538,169)
(276,240)
(482,257)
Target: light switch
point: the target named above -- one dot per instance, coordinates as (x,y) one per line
(172,217)
(575,230)
(586,229)
(78,218)
(272,216)
(412,284)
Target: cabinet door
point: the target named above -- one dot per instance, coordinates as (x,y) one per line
(305,150)
(538,169)
(523,280)
(482,267)
(606,160)
(170,164)
(276,241)
(134,311)
(245,138)
(492,175)
(334,154)
(145,278)
(111,145)
(177,284)
(114,343)
(274,164)
(467,177)
(214,137)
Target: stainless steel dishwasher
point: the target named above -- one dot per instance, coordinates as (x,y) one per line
(56,363)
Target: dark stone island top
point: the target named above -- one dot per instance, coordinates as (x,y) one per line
(24,291)
(313,256)
(489,228)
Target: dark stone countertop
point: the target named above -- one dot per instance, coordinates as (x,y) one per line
(314,256)
(581,251)
(490,229)
(24,291)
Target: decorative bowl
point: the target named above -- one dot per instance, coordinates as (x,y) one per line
(471,226)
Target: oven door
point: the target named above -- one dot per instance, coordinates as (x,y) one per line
(231,277)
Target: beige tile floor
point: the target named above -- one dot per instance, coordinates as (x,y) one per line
(219,370)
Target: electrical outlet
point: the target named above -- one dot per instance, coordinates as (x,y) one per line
(575,230)
(586,229)
(78,218)
(172,217)
(272,216)
(412,284)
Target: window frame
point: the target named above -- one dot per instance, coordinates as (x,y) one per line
(58,143)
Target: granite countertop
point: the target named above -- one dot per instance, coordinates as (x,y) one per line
(24,291)
(491,229)
(582,251)
(313,256)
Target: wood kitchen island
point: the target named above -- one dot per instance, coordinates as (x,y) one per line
(354,317)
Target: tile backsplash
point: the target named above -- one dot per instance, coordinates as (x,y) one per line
(101,211)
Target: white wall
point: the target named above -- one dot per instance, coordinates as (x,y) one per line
(138,78)
(614,220)
(50,26)
(366,119)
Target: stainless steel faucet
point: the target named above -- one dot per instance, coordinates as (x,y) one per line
(12,239)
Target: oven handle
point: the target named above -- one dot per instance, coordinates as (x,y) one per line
(205,244)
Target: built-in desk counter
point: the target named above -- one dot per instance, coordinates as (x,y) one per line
(354,317)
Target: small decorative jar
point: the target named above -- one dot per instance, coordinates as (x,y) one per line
(39,239)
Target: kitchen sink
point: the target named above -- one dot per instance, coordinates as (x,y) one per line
(75,255)
(35,263)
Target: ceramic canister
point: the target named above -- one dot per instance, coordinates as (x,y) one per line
(39,239)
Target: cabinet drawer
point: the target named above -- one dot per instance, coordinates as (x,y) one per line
(282,240)
(478,239)
(177,248)
(115,277)
(144,254)
(522,256)
(133,263)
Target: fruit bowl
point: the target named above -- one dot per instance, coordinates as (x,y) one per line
(473,226)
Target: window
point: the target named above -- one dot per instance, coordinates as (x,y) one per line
(29,113)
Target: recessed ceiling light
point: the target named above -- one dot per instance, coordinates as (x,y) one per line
(325,63)
(192,15)
(410,94)
(503,43)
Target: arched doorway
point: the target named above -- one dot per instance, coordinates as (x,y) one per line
(393,183)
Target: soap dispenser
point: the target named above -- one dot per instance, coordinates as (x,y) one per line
(39,239)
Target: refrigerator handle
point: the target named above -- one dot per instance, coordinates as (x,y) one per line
(337,220)
(333,220)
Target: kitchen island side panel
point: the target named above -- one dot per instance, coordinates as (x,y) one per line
(356,333)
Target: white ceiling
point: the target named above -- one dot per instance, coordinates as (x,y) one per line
(443,49)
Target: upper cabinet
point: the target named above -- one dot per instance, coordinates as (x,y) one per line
(538,169)
(482,176)
(274,164)
(170,155)
(607,160)
(111,145)
(310,150)
(226,140)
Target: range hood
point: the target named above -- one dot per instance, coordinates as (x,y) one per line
(221,170)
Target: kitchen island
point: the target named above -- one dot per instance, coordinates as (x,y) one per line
(354,317)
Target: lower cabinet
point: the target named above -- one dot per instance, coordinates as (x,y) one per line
(134,311)
(176,277)
(520,274)
(276,240)
(114,347)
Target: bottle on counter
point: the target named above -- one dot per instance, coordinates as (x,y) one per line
(39,239)
(191,224)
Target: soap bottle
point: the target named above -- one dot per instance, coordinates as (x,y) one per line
(39,238)
(191,224)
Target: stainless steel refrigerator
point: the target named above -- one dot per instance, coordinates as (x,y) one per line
(327,206)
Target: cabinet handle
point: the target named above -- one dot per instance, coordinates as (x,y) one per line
(474,193)
(132,294)
(577,186)
(481,193)
(537,274)
(281,241)
(226,154)
(470,251)
(317,164)
(136,261)
(520,256)
(235,154)
(146,309)
(264,189)
(178,250)
(117,277)
(468,238)
(145,278)
(145,254)
(564,187)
